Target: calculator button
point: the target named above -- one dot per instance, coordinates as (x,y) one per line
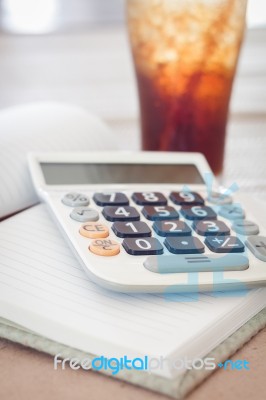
(232,212)
(131,229)
(110,199)
(94,230)
(84,214)
(244,227)
(257,246)
(189,198)
(171,228)
(146,198)
(168,264)
(184,245)
(225,244)
(219,198)
(198,212)
(159,213)
(126,213)
(211,228)
(143,246)
(75,199)
(104,247)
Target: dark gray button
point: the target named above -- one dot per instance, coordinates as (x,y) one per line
(219,198)
(232,211)
(126,213)
(211,228)
(158,213)
(168,264)
(257,246)
(143,246)
(244,227)
(225,244)
(84,214)
(171,228)
(75,199)
(110,199)
(184,245)
(189,198)
(146,198)
(198,212)
(131,229)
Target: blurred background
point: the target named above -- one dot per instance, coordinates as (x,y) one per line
(43,16)
(76,51)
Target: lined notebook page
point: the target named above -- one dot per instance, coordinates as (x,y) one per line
(43,288)
(42,127)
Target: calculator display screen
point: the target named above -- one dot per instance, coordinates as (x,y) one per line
(78,173)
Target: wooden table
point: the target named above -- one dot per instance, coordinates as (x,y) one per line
(93,69)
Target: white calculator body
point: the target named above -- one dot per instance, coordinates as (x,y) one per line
(146,221)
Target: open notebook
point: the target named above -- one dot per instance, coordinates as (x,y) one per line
(42,126)
(48,303)
(44,290)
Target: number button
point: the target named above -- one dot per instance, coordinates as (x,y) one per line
(211,228)
(104,247)
(131,229)
(232,212)
(171,228)
(225,244)
(110,199)
(184,245)
(141,247)
(189,198)
(246,228)
(158,213)
(146,198)
(126,213)
(75,199)
(198,212)
(94,230)
(82,214)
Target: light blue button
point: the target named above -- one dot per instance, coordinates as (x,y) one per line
(196,263)
(232,211)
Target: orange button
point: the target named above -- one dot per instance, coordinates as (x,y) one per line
(105,247)
(94,230)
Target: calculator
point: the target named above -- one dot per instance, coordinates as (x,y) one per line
(149,222)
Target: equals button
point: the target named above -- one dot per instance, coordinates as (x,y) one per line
(167,264)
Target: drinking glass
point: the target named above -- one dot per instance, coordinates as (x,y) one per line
(185,54)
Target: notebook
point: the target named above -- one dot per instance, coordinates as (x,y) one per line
(44,291)
(48,303)
(43,126)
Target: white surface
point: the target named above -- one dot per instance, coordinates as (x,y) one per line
(256,13)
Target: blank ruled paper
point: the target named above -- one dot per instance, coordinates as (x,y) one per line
(44,288)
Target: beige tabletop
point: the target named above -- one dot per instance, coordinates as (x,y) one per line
(27,374)
(79,68)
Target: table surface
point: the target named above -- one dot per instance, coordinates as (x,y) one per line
(93,69)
